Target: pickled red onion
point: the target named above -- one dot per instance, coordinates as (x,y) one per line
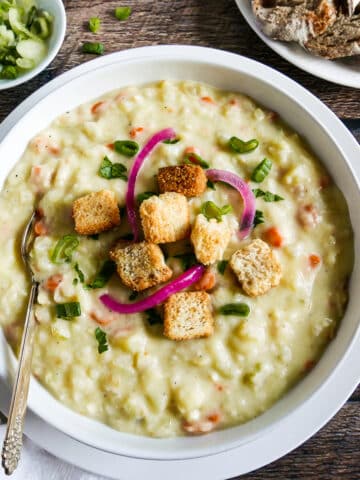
(248,215)
(186,279)
(166,134)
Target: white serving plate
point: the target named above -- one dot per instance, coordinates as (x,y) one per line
(309,405)
(343,71)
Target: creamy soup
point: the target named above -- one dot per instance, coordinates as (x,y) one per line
(145,383)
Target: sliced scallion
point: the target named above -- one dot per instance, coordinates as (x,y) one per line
(68,310)
(64,249)
(237,309)
(96,48)
(101,338)
(122,13)
(261,171)
(239,146)
(94,24)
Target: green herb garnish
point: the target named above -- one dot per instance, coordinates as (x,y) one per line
(239,146)
(261,171)
(79,272)
(211,210)
(122,13)
(211,185)
(144,196)
(95,48)
(267,196)
(126,147)
(64,248)
(172,141)
(187,260)
(195,159)
(68,310)
(259,218)
(111,170)
(221,266)
(94,24)
(238,309)
(103,276)
(153,317)
(101,338)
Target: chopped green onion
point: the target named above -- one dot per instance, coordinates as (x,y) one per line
(41,28)
(211,210)
(94,24)
(103,276)
(221,266)
(267,196)
(95,48)
(238,309)
(195,159)
(31,16)
(101,338)
(122,13)
(211,185)
(261,171)
(79,272)
(259,218)
(64,248)
(133,296)
(126,147)
(111,170)
(187,260)
(9,72)
(171,141)
(68,310)
(153,317)
(144,196)
(239,146)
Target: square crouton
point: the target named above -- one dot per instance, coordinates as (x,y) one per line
(165,218)
(96,212)
(256,267)
(210,239)
(188,315)
(189,180)
(140,265)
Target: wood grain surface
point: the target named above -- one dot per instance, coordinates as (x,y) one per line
(333,453)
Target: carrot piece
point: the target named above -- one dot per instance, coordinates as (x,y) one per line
(208,100)
(36,170)
(314,260)
(97,107)
(309,365)
(111,146)
(273,236)
(233,101)
(40,228)
(135,131)
(214,417)
(53,282)
(207,281)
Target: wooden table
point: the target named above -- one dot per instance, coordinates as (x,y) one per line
(333,453)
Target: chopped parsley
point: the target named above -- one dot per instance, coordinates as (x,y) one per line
(111,170)
(211,210)
(259,218)
(267,196)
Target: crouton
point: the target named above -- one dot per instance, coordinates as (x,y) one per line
(140,265)
(189,180)
(165,218)
(256,267)
(210,239)
(188,315)
(96,212)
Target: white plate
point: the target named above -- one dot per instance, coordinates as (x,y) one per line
(343,72)
(339,378)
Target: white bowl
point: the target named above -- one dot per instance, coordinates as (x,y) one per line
(305,114)
(56,8)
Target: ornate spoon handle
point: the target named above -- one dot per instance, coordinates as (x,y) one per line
(13,437)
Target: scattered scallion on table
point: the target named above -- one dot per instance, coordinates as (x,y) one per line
(94,24)
(122,13)
(95,48)
(110,170)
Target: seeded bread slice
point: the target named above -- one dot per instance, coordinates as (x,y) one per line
(188,315)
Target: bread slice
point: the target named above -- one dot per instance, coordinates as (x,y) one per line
(140,265)
(165,218)
(256,267)
(188,315)
(189,180)
(96,212)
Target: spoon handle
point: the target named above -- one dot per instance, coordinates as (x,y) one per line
(13,437)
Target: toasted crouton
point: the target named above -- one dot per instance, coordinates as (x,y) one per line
(140,265)
(165,218)
(188,315)
(190,180)
(96,212)
(210,239)
(256,267)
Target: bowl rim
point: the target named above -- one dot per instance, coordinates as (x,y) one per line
(215,58)
(61,21)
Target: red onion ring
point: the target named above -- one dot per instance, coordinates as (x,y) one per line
(186,279)
(166,134)
(248,215)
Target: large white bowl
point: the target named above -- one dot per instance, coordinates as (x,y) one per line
(305,114)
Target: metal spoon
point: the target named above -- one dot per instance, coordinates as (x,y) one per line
(13,436)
